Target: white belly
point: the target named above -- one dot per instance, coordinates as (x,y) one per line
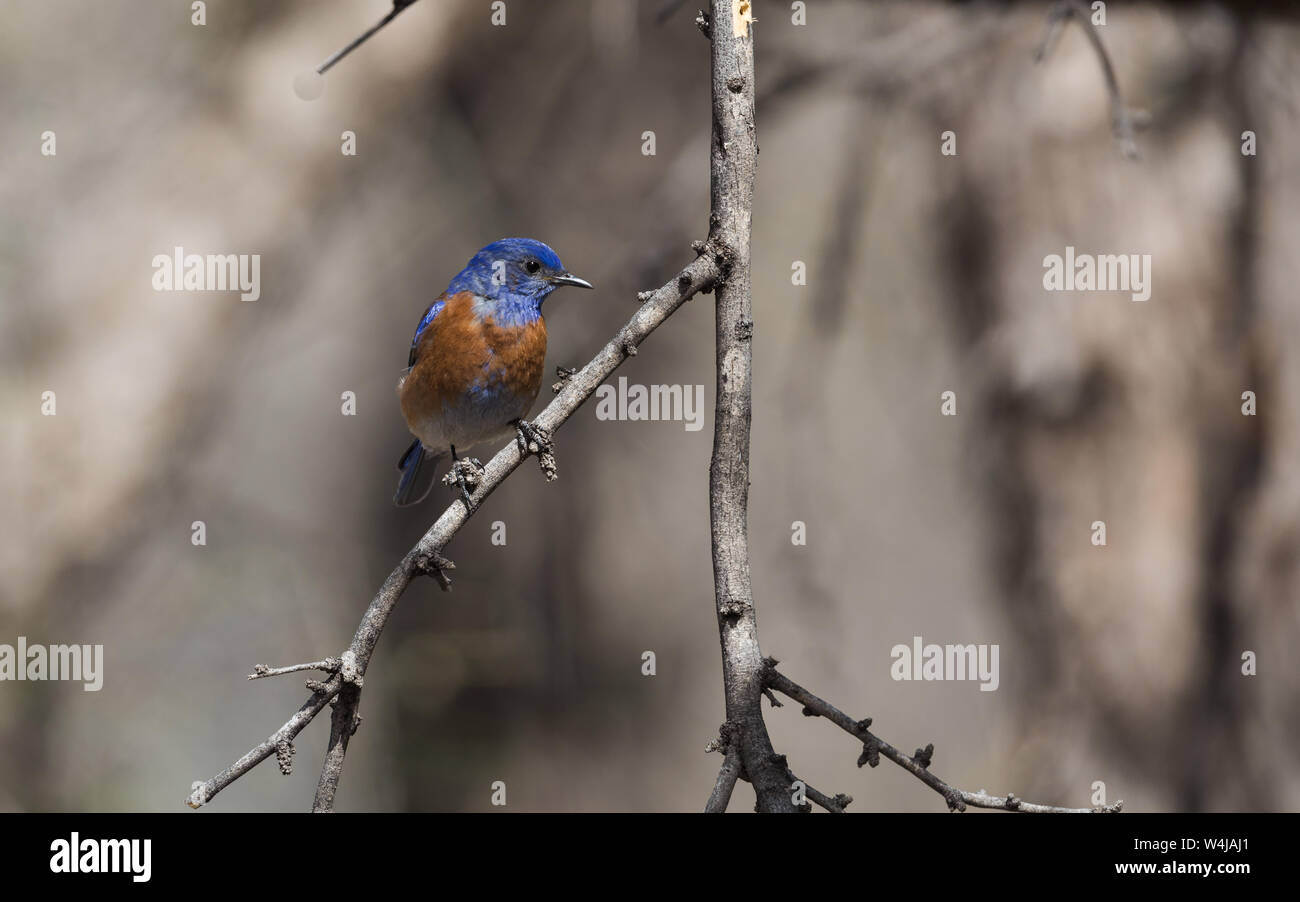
(471,422)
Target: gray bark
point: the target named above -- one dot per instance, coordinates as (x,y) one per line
(732,158)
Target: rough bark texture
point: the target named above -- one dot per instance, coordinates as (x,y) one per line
(733,154)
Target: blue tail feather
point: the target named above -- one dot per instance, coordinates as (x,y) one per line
(409,465)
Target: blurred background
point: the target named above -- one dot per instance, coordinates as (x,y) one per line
(1119,664)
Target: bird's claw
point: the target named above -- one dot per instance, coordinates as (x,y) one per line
(466,473)
(534,439)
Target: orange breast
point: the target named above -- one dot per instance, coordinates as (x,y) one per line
(472,366)
(519,356)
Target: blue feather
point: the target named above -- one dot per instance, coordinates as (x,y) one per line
(434,309)
(409,467)
(508,281)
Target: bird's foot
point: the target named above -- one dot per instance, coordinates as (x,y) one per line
(435,565)
(466,473)
(533,439)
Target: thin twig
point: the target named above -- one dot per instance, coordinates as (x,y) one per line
(203,792)
(835,804)
(919,764)
(398,6)
(728,773)
(1123,121)
(329,665)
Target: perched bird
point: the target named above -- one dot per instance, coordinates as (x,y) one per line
(476,360)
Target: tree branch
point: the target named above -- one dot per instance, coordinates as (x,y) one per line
(203,791)
(917,765)
(426,556)
(398,6)
(835,805)
(1123,121)
(732,159)
(329,665)
(729,772)
(343,723)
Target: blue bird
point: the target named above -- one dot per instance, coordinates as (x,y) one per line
(476,361)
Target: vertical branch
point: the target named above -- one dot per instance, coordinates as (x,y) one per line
(732,159)
(727,776)
(343,723)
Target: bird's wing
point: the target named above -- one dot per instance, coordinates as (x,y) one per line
(433,310)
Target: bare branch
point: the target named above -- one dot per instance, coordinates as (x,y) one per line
(398,6)
(835,805)
(732,158)
(329,665)
(729,772)
(203,792)
(343,723)
(1123,121)
(918,764)
(426,557)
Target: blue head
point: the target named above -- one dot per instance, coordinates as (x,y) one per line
(514,276)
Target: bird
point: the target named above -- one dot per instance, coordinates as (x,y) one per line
(476,361)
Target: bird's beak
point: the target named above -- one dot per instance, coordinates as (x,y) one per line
(565,278)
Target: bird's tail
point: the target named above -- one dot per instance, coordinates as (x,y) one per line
(409,465)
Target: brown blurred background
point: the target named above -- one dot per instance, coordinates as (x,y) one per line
(1118,664)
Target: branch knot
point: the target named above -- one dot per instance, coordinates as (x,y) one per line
(703,24)
(565,374)
(349,670)
(432,563)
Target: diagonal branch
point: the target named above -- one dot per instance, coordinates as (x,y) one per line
(701,275)
(835,804)
(203,791)
(398,6)
(918,765)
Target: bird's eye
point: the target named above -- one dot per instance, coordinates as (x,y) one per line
(532,266)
